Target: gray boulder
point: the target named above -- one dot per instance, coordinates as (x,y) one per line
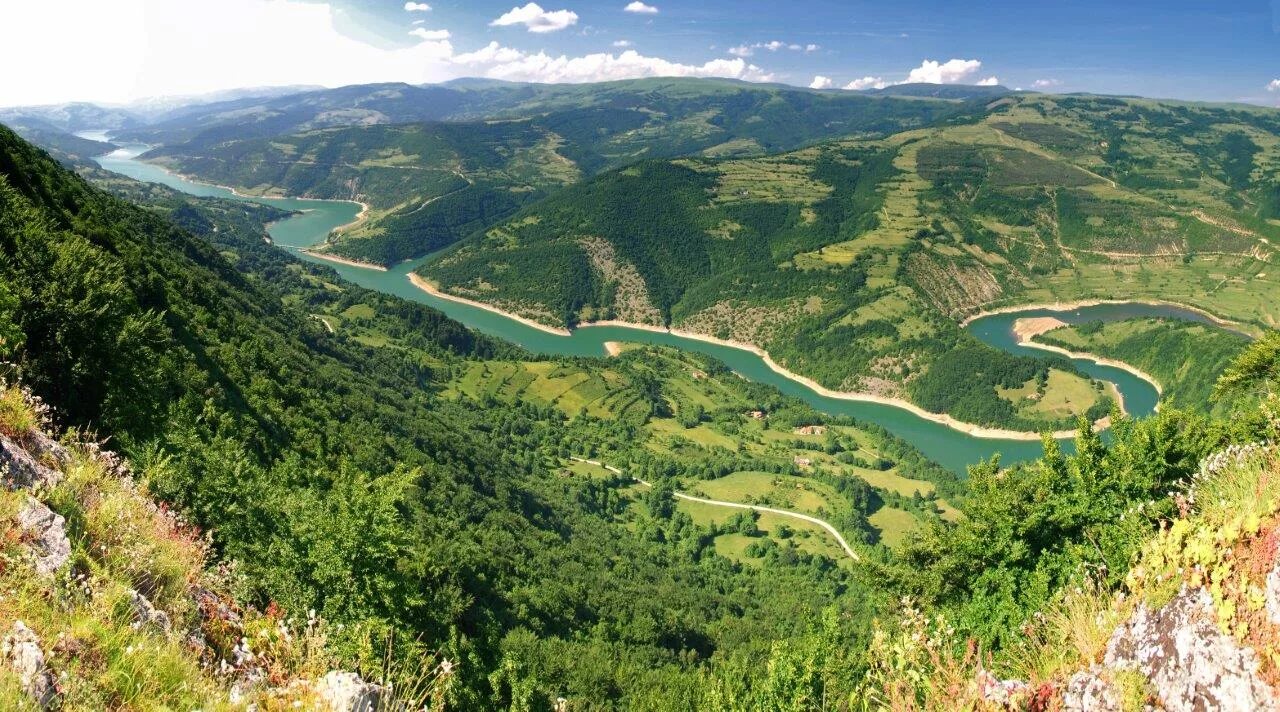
(146,614)
(19,469)
(1188,660)
(46,533)
(21,652)
(347,692)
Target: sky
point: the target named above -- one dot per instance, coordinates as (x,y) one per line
(119,51)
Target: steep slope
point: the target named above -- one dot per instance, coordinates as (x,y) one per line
(849,261)
(431,184)
(343,472)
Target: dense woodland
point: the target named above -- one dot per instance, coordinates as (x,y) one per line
(403,476)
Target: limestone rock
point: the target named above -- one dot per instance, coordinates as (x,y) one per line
(20,470)
(22,653)
(144,613)
(1089,691)
(1273,595)
(47,534)
(1190,663)
(346,692)
(46,450)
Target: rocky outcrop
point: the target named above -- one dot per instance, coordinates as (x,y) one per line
(1090,691)
(19,469)
(46,534)
(347,692)
(22,654)
(1190,663)
(146,614)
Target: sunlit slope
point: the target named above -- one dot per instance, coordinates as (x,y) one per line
(851,261)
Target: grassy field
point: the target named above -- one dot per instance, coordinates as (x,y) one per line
(1185,358)
(610,391)
(1062,396)
(795,494)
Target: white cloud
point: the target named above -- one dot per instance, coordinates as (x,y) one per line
(820,82)
(1274,85)
(988,82)
(432,35)
(622,43)
(1045,83)
(419,22)
(866,83)
(637,6)
(953,71)
(746,50)
(533,17)
(417,7)
(278,42)
(499,62)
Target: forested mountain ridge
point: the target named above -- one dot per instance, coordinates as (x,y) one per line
(397,472)
(851,261)
(367,467)
(430,184)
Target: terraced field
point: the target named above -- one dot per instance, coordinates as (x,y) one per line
(851,261)
(679,408)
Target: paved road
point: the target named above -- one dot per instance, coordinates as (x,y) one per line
(737,505)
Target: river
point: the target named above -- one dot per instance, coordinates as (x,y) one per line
(947,446)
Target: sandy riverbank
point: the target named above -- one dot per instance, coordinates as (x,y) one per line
(343,260)
(429,288)
(1028,331)
(613,348)
(1082,303)
(978,431)
(364,207)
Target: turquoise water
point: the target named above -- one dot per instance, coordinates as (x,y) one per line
(944,445)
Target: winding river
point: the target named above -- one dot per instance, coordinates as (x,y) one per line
(943,444)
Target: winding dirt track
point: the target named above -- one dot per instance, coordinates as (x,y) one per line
(736,505)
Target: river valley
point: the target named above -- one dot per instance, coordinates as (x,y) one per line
(947,445)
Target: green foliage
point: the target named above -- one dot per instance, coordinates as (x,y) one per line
(1257,368)
(1032,529)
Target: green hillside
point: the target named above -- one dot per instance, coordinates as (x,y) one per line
(353,454)
(851,261)
(431,184)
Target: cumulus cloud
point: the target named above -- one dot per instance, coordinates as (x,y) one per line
(866,83)
(279,42)
(533,17)
(1274,85)
(431,35)
(953,71)
(622,43)
(1045,83)
(499,62)
(988,82)
(746,50)
(637,6)
(417,7)
(820,82)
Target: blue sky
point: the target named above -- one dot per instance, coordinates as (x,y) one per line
(1227,50)
(128,49)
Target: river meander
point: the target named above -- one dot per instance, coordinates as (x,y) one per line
(950,447)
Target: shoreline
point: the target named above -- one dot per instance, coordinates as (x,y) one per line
(1100,360)
(431,289)
(342,260)
(977,431)
(1218,321)
(364,207)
